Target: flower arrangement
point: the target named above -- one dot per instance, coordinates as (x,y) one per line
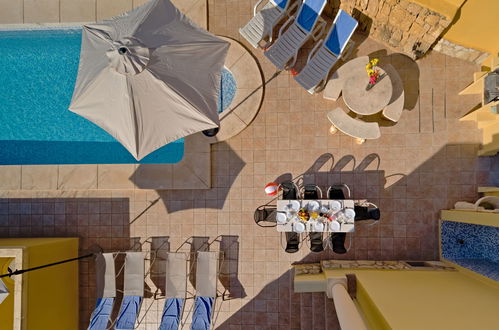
(372,72)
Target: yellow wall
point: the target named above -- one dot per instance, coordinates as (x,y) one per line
(7,306)
(52,293)
(409,300)
(448,8)
(477,26)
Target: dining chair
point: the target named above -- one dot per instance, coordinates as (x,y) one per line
(266,214)
(369,212)
(312,191)
(337,191)
(289,190)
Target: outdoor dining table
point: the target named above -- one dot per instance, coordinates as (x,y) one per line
(342,212)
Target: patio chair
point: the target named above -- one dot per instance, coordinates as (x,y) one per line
(133,291)
(295,32)
(265,214)
(316,242)
(337,191)
(206,289)
(338,242)
(262,24)
(176,290)
(326,53)
(292,242)
(311,191)
(369,212)
(106,291)
(289,190)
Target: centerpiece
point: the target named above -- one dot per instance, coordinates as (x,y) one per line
(373,73)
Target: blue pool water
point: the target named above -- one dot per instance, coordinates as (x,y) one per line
(472,246)
(38,70)
(227,90)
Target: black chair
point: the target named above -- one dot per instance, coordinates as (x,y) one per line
(338,242)
(316,244)
(337,191)
(312,191)
(289,190)
(266,214)
(370,212)
(292,242)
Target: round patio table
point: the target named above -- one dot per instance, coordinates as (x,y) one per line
(368,102)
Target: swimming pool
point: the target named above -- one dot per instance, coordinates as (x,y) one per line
(38,69)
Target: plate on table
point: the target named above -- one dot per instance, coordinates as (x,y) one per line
(313,206)
(349,214)
(299,227)
(334,226)
(281,218)
(292,205)
(335,205)
(319,227)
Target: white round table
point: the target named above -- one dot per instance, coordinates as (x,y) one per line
(368,102)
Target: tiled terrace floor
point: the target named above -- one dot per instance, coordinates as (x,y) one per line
(423,164)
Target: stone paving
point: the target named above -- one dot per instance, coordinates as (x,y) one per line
(424,163)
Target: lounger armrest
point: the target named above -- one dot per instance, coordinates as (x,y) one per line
(312,52)
(255,9)
(319,29)
(285,25)
(349,49)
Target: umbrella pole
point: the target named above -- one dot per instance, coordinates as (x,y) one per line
(21,271)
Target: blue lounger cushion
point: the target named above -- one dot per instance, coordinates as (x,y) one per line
(343,28)
(129,313)
(281,3)
(101,314)
(201,319)
(171,314)
(309,13)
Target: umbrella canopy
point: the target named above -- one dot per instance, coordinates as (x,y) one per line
(4,292)
(149,77)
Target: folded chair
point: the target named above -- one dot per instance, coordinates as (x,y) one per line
(133,291)
(106,291)
(176,291)
(285,49)
(206,290)
(326,53)
(263,22)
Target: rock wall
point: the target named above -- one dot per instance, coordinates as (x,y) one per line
(468,54)
(401,24)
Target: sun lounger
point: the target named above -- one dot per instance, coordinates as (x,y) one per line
(291,39)
(355,128)
(206,290)
(133,291)
(326,53)
(261,25)
(176,291)
(106,291)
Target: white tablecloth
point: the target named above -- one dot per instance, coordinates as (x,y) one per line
(309,225)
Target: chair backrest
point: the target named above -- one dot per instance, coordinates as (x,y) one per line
(316,244)
(342,29)
(309,14)
(176,275)
(206,274)
(311,191)
(289,190)
(335,192)
(338,243)
(105,275)
(134,274)
(292,242)
(283,4)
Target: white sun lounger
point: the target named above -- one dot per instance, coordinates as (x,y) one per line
(263,22)
(106,291)
(285,48)
(176,291)
(326,53)
(207,270)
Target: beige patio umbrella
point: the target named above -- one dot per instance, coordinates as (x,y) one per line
(149,77)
